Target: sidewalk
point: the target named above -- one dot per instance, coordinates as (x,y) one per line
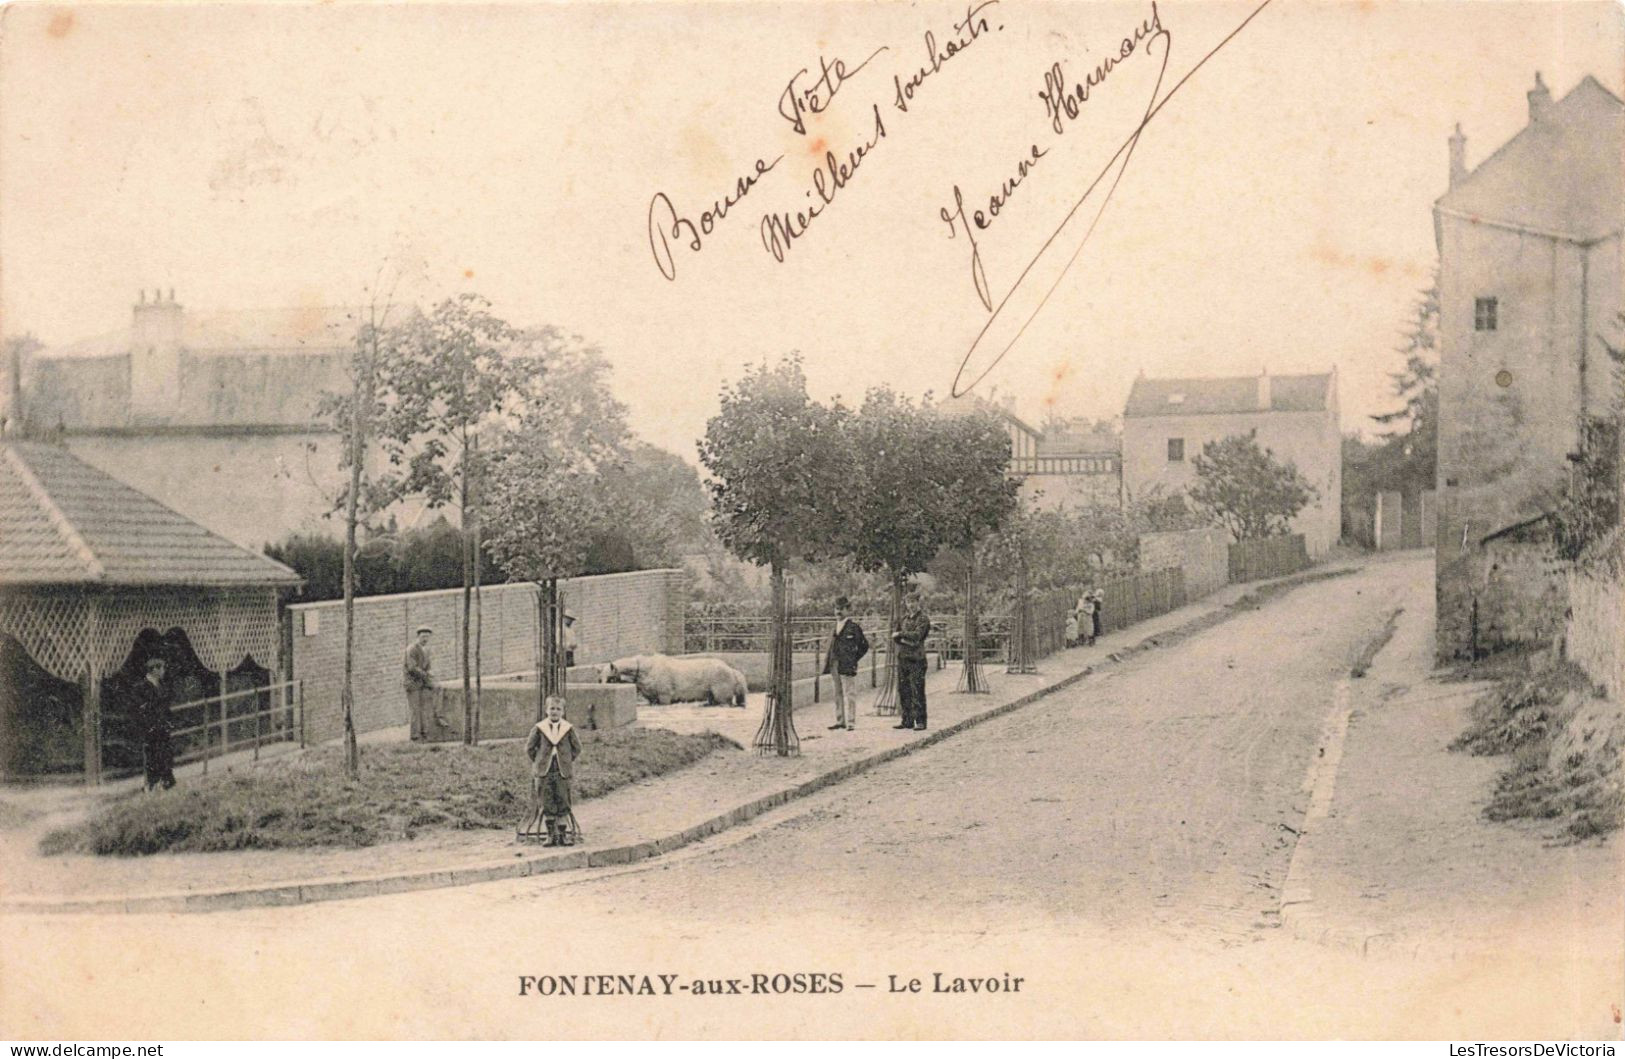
(1404,862)
(632,823)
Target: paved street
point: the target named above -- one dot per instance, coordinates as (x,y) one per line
(1121,845)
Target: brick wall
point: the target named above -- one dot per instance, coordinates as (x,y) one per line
(1203,554)
(616,615)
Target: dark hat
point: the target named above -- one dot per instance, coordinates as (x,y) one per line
(842,603)
(569,619)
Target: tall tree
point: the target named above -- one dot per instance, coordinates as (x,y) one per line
(355,415)
(547,497)
(1246,489)
(780,472)
(449,378)
(1410,456)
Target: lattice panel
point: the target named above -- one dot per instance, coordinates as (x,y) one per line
(53,629)
(65,632)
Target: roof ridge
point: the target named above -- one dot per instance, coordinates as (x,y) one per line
(59,521)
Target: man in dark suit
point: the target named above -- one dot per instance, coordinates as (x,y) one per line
(847,646)
(909,643)
(152,722)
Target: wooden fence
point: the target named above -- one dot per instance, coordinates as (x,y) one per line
(1266,557)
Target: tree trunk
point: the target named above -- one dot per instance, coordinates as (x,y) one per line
(780,668)
(541,650)
(361,396)
(479,613)
(468,600)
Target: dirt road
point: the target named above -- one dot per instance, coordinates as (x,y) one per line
(1120,847)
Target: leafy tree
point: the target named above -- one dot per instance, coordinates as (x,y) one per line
(546,493)
(1246,489)
(662,507)
(450,379)
(780,470)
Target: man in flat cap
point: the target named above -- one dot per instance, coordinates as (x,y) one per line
(421,697)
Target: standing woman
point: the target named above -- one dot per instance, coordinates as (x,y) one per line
(1099,605)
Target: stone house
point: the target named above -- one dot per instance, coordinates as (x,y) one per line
(1295,417)
(1529,284)
(213,414)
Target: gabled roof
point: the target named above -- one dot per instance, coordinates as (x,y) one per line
(64,522)
(1183,397)
(1561,174)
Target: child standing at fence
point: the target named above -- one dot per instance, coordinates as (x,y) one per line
(553,748)
(1086,619)
(1072,628)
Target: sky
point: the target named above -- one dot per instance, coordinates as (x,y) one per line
(1274,214)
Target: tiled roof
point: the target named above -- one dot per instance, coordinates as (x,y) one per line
(1177,397)
(64,522)
(1561,174)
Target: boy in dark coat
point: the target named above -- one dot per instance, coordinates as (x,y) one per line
(847,646)
(553,748)
(909,641)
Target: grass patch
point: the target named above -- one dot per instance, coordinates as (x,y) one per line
(12,815)
(1524,708)
(403,790)
(1565,766)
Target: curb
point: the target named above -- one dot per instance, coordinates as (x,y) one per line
(1298,912)
(296,893)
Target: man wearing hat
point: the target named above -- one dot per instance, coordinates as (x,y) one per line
(152,720)
(847,646)
(420,687)
(569,640)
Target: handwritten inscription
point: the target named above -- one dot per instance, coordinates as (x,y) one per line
(974,25)
(991,346)
(665,223)
(956,219)
(798,100)
(802,98)
(780,230)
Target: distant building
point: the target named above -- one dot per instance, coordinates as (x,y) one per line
(1529,281)
(1065,470)
(214,414)
(1295,417)
(1058,470)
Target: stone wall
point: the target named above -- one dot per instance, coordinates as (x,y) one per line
(1595,633)
(1204,555)
(1519,591)
(616,615)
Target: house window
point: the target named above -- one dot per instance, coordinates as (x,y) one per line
(1484,314)
(1176,450)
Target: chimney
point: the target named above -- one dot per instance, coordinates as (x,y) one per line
(1458,156)
(1264,390)
(155,344)
(1540,100)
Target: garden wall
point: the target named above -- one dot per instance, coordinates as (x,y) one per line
(616,615)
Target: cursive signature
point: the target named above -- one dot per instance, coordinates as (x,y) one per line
(988,351)
(956,218)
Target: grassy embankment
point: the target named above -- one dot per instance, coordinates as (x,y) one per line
(1564,741)
(403,790)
